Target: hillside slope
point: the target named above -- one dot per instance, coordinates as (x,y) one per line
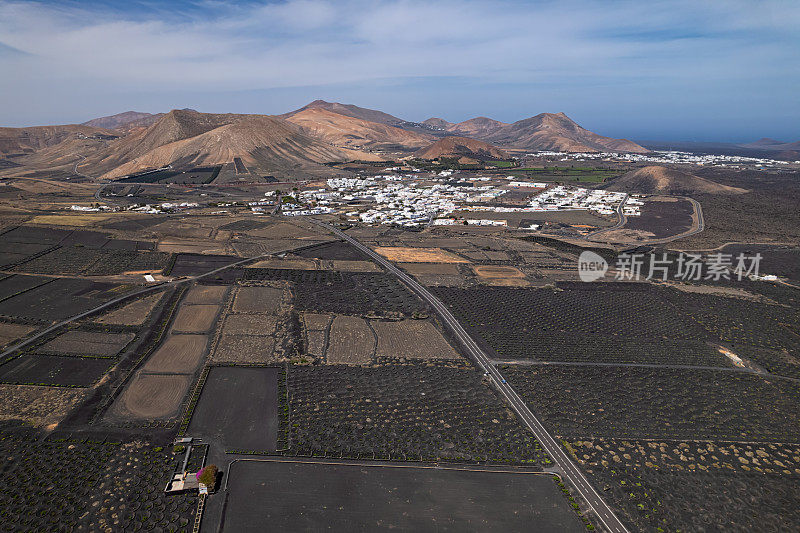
(479,127)
(31,139)
(264,143)
(661,180)
(460,146)
(437,123)
(548,131)
(355,133)
(349,110)
(124,121)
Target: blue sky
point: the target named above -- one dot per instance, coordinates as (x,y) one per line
(665,70)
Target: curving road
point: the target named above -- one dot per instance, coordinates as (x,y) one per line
(568,469)
(697,227)
(621,219)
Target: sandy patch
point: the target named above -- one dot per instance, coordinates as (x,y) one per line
(179,353)
(11,332)
(195,318)
(418,255)
(40,406)
(154,395)
(411,339)
(351,341)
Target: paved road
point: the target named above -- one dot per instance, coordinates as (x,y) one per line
(697,228)
(569,471)
(621,219)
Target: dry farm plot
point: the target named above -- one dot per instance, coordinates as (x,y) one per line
(286,230)
(88,343)
(37,405)
(316,327)
(351,341)
(418,255)
(315,322)
(316,343)
(503,276)
(153,396)
(438,269)
(195,318)
(132,314)
(350,266)
(412,339)
(244,349)
(290,263)
(257,300)
(70,220)
(238,324)
(206,294)
(11,332)
(179,353)
(175,246)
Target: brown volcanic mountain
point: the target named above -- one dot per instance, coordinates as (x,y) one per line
(661,180)
(479,127)
(177,125)
(460,146)
(349,110)
(557,132)
(350,132)
(28,140)
(124,121)
(773,145)
(189,138)
(437,123)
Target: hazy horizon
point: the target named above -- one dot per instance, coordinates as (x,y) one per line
(664,71)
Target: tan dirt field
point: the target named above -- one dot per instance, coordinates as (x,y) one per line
(206,294)
(88,343)
(441,281)
(411,339)
(285,230)
(132,314)
(351,341)
(153,395)
(418,255)
(244,349)
(350,266)
(437,269)
(179,353)
(316,343)
(257,300)
(497,256)
(11,332)
(195,318)
(192,247)
(502,276)
(70,220)
(263,246)
(40,406)
(314,321)
(249,325)
(182,232)
(289,264)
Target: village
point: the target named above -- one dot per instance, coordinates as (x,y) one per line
(666,156)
